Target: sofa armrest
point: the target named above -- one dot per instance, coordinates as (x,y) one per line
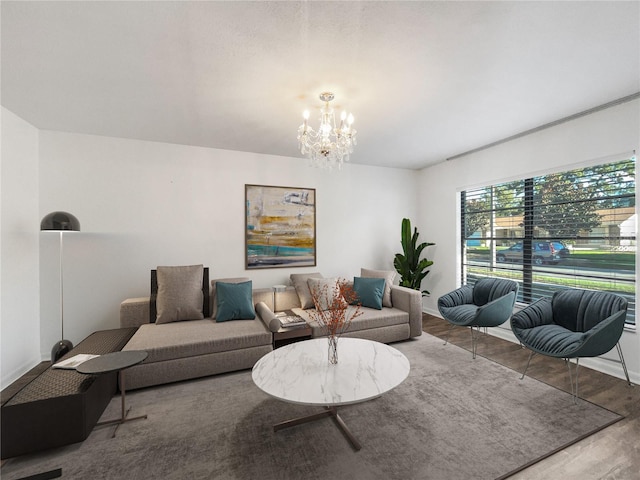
(268,317)
(134,312)
(410,301)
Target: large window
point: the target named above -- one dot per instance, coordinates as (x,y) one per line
(575,229)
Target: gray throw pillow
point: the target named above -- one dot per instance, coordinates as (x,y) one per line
(388,275)
(299,281)
(180,294)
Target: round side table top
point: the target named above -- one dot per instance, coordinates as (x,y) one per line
(111,362)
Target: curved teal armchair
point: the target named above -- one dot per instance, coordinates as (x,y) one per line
(574,323)
(488,303)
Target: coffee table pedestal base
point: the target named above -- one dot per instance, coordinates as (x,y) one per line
(328,412)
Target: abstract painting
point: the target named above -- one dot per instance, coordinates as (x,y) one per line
(280,227)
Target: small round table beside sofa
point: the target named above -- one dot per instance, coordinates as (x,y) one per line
(115,362)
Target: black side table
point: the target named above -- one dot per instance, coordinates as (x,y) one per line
(111,362)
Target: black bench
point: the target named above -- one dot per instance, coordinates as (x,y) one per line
(59,407)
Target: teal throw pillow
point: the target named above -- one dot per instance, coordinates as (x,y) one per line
(234,301)
(369,291)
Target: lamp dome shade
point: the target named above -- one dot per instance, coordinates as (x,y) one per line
(60,221)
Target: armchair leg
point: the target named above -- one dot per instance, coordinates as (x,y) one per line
(446,340)
(624,365)
(475,333)
(531,354)
(574,386)
(574,389)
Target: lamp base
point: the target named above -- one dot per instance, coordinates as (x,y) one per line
(59,349)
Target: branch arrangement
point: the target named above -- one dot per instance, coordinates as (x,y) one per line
(332,307)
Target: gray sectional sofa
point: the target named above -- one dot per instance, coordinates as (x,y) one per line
(181,350)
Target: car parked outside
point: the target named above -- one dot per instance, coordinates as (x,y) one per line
(550,252)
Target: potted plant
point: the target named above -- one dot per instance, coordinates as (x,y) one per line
(408,264)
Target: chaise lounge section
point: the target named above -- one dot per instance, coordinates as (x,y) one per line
(192,343)
(196,348)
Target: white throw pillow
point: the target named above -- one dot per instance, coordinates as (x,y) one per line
(299,281)
(325,290)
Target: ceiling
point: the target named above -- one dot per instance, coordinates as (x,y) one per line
(425,80)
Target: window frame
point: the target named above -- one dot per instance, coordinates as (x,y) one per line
(528,290)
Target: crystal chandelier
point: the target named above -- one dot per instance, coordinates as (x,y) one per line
(329,146)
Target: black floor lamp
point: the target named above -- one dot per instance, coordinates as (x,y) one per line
(60,222)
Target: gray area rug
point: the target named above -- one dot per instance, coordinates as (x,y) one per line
(453,418)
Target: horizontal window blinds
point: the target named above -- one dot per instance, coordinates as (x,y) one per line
(574,229)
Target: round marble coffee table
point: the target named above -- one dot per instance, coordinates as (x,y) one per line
(300,373)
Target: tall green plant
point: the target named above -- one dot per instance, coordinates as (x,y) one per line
(411,268)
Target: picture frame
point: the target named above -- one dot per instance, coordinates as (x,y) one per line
(280,227)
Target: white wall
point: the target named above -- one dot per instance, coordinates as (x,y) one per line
(20,225)
(609,132)
(143,204)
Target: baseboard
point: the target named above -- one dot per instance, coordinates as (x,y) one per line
(429,311)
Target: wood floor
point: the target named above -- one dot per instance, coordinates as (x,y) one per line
(613,453)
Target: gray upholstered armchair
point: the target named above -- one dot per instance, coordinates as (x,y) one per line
(574,323)
(488,303)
